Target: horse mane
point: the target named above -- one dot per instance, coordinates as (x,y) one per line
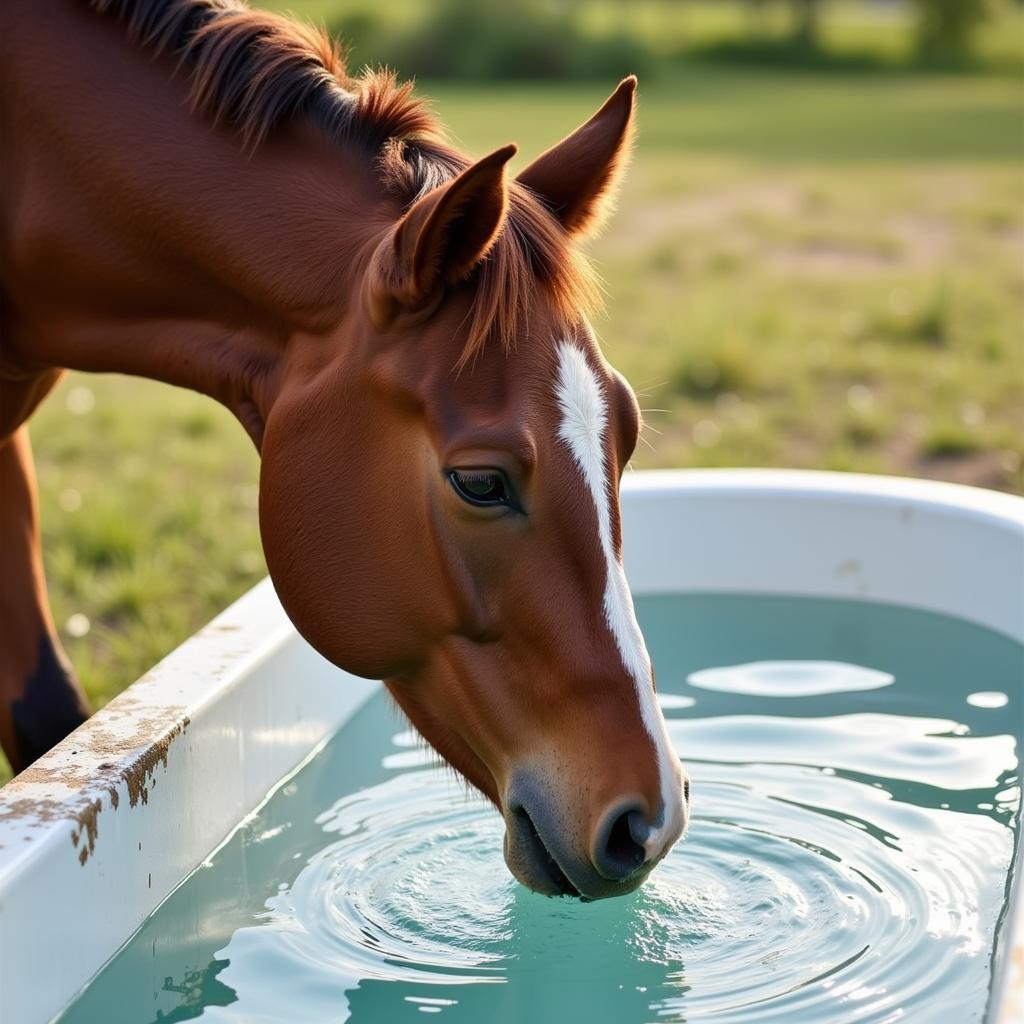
(254,70)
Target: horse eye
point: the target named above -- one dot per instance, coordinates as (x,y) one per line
(480,487)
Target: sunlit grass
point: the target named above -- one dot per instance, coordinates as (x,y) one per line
(148,529)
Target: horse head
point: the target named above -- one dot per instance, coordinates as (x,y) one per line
(441,510)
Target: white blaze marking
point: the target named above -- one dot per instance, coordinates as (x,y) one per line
(584,424)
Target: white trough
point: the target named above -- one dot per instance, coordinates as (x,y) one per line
(98,832)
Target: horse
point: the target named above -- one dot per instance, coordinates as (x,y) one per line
(200,193)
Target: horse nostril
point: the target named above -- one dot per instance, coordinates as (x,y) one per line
(619,850)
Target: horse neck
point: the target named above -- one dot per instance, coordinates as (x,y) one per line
(145,240)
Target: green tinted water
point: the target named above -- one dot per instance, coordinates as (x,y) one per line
(856,795)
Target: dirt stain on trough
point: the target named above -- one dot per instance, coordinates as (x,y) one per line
(88,827)
(124,743)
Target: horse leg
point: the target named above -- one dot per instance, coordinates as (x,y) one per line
(40,698)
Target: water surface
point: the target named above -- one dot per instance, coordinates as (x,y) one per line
(856,793)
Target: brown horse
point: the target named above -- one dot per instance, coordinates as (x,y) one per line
(199,193)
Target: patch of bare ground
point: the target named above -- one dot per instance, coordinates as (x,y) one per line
(975,469)
(736,212)
(829,259)
(927,240)
(721,208)
(916,243)
(978,469)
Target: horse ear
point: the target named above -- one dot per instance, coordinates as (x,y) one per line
(576,178)
(443,236)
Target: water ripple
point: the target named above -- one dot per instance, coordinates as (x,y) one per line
(777,907)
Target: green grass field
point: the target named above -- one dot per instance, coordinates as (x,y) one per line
(809,270)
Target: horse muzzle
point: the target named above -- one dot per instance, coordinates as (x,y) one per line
(551,853)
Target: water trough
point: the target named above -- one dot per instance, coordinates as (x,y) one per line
(96,834)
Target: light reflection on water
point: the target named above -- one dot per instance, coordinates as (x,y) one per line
(847,858)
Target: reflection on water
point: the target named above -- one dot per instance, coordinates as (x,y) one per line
(847,858)
(789,678)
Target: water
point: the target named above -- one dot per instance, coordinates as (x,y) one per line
(856,793)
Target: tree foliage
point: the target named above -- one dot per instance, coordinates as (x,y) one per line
(946,27)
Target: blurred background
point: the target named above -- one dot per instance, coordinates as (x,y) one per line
(818,261)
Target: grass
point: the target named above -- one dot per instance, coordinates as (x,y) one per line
(149,528)
(805,270)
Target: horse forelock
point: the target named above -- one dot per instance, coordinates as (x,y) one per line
(531,256)
(253,70)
